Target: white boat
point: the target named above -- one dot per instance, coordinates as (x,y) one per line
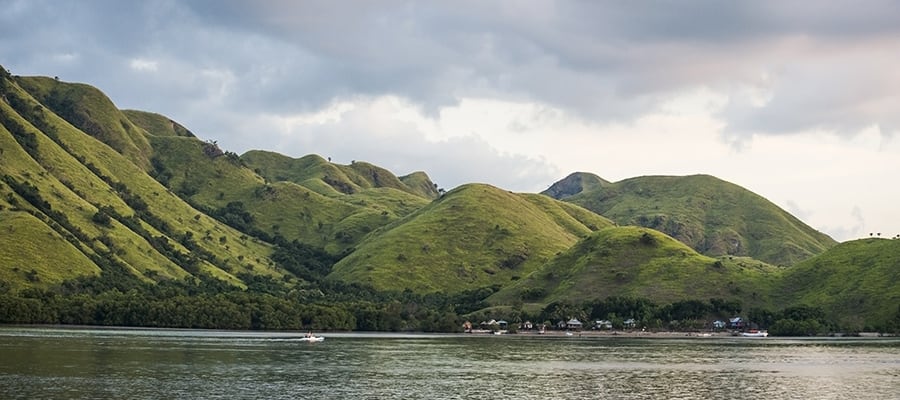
(312,339)
(755,333)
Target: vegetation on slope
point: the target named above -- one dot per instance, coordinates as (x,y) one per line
(312,169)
(156,124)
(140,223)
(88,109)
(573,184)
(855,281)
(308,210)
(105,205)
(474,236)
(641,263)
(712,216)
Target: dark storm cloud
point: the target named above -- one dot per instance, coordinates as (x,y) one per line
(601,60)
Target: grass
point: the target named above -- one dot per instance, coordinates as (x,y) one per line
(712,216)
(475,236)
(536,249)
(50,258)
(640,262)
(92,112)
(856,280)
(69,175)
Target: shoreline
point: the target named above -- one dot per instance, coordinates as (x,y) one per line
(660,334)
(594,333)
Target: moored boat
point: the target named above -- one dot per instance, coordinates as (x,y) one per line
(755,333)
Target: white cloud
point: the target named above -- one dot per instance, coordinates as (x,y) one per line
(796,102)
(143,65)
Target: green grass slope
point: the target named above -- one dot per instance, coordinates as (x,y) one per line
(157,124)
(710,215)
(474,236)
(34,255)
(573,184)
(88,109)
(313,170)
(292,206)
(64,177)
(640,262)
(855,282)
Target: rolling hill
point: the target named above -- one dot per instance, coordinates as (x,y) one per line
(474,236)
(88,191)
(708,214)
(63,184)
(855,280)
(641,263)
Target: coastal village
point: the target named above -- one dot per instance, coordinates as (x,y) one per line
(735,326)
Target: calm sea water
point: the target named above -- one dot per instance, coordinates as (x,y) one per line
(63,363)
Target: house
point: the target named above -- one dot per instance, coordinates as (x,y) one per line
(629,323)
(719,324)
(503,325)
(527,325)
(603,324)
(574,324)
(736,323)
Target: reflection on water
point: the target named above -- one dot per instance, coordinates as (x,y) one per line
(47,363)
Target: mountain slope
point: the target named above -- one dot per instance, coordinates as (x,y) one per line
(88,109)
(642,263)
(312,170)
(291,205)
(710,215)
(474,236)
(573,184)
(156,124)
(104,205)
(856,280)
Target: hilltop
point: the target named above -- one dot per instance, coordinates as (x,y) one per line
(126,217)
(474,236)
(712,216)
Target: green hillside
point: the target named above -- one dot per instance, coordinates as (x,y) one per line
(856,281)
(156,124)
(127,218)
(641,263)
(708,214)
(101,202)
(313,170)
(474,236)
(573,184)
(290,204)
(89,110)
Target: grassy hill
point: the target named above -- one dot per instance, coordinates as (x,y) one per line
(708,214)
(101,201)
(90,193)
(573,184)
(313,170)
(295,203)
(156,124)
(855,280)
(641,263)
(474,236)
(89,110)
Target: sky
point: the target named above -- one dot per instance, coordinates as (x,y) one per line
(797,101)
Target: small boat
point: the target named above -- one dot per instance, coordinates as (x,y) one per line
(755,333)
(309,337)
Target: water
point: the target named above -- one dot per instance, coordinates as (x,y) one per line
(67,363)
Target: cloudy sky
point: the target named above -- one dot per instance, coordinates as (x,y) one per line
(798,101)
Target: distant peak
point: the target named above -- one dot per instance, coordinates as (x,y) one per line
(573,184)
